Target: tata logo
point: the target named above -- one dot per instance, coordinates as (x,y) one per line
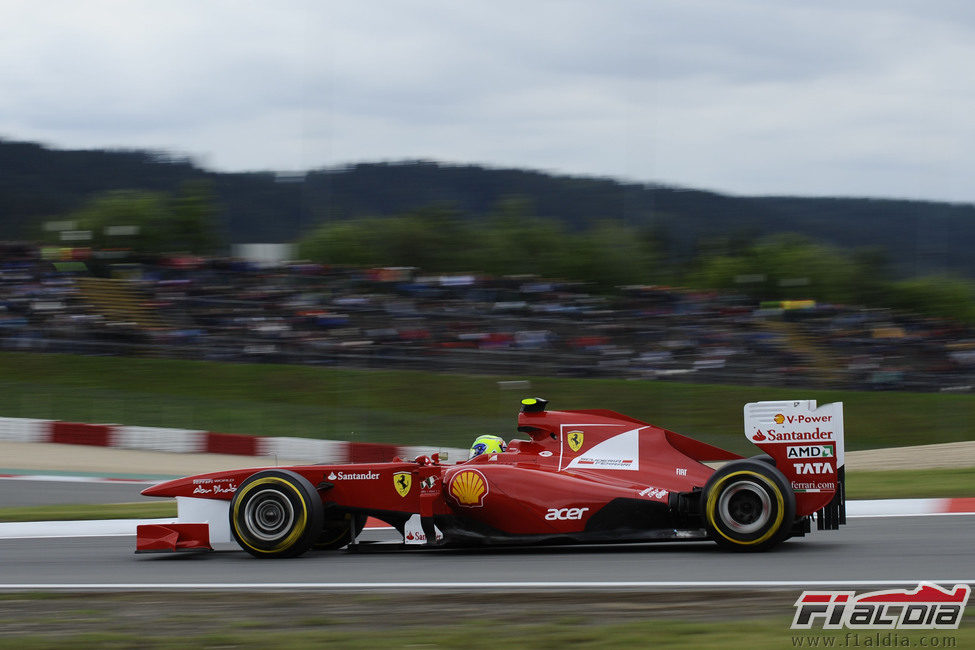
(565,514)
(575,439)
(810,451)
(813,468)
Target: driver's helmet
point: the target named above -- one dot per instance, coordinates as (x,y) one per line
(487,445)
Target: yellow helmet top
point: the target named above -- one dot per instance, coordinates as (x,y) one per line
(487,445)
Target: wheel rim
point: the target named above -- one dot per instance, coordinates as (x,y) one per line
(269,515)
(745,507)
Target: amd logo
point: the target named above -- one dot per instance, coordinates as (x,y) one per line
(809,451)
(565,514)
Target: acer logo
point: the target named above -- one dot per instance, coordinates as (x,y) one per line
(813,468)
(565,514)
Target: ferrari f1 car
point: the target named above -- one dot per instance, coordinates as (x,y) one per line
(592,476)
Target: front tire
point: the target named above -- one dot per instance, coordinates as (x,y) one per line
(276,513)
(748,505)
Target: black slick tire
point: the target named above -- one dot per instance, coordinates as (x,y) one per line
(276,514)
(748,505)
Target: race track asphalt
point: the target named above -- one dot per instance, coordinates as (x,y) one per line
(909,549)
(905,549)
(15,492)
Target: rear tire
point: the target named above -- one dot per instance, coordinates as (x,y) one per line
(276,513)
(748,505)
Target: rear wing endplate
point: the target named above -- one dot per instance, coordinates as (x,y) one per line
(807,443)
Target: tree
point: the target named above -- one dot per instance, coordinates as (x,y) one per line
(784,266)
(193,215)
(150,222)
(944,296)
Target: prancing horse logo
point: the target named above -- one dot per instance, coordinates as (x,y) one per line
(403,481)
(575,440)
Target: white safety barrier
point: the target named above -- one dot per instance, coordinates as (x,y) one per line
(185,441)
(454,454)
(24,430)
(306,450)
(194,441)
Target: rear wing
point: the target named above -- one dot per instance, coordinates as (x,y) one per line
(806,443)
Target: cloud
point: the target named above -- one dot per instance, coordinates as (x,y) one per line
(747,96)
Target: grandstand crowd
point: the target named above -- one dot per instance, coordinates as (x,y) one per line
(299,313)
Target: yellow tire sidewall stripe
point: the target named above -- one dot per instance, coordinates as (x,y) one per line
(712,502)
(300,523)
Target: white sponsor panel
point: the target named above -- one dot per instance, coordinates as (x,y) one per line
(305,450)
(25,430)
(621,452)
(799,423)
(413,531)
(215,512)
(183,441)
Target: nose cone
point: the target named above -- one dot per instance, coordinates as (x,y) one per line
(164,489)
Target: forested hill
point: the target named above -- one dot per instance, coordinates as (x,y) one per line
(37,183)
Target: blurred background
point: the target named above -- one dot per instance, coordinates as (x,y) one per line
(387,224)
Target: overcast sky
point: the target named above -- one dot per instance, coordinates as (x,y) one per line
(867,98)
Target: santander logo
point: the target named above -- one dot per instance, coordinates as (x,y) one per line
(759,436)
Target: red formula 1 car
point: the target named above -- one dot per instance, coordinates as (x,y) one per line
(591,476)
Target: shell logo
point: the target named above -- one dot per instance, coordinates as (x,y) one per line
(469,488)
(779,418)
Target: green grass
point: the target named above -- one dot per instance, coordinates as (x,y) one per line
(750,633)
(146,510)
(909,484)
(407,407)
